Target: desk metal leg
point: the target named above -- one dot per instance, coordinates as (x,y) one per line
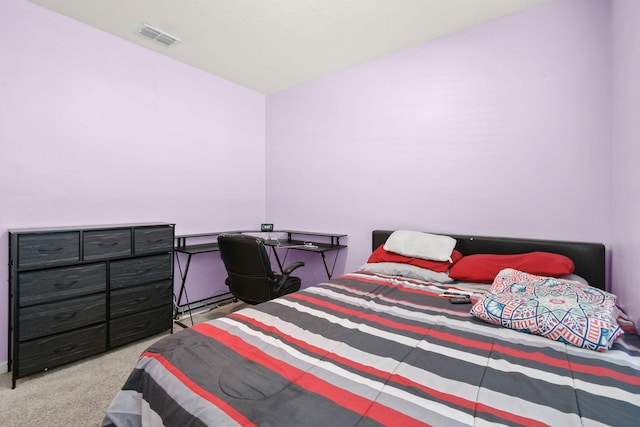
(275,252)
(183,290)
(333,267)
(324,262)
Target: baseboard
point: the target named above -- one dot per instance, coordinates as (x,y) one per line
(203,305)
(4,367)
(203,308)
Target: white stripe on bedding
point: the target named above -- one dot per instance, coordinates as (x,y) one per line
(614,393)
(128,406)
(439,408)
(517,406)
(149,417)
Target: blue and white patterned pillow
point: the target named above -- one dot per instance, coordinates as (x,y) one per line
(557,309)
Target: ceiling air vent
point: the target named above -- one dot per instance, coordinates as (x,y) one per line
(159,36)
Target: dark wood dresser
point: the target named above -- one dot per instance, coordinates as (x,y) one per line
(79,291)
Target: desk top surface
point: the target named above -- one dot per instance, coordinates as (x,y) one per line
(198,248)
(217,233)
(311,233)
(286,243)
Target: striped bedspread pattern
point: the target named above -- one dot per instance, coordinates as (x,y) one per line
(367,350)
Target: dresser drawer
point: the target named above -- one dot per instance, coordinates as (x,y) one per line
(152,239)
(101,244)
(136,271)
(41,286)
(140,298)
(40,320)
(136,326)
(44,353)
(44,250)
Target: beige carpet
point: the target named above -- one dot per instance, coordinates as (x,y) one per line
(78,394)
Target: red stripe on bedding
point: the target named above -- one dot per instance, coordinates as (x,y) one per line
(308,381)
(224,406)
(537,357)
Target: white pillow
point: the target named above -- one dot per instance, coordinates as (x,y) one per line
(408,271)
(421,245)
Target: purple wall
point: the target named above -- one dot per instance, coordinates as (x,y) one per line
(502,129)
(625,152)
(94,130)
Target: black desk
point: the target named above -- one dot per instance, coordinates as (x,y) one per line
(312,245)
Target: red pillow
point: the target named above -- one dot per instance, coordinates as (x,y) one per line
(382,255)
(483,268)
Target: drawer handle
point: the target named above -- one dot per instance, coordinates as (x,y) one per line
(66,349)
(142,299)
(65,285)
(155,241)
(49,251)
(63,317)
(142,326)
(108,245)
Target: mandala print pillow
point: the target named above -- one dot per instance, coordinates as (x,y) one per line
(557,309)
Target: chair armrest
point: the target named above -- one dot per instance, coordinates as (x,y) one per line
(289,269)
(285,274)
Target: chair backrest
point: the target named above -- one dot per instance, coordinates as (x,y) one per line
(250,277)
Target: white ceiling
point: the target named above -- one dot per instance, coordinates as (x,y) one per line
(270,45)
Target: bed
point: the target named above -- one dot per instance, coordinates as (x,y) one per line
(370,349)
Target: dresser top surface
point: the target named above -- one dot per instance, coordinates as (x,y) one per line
(86,227)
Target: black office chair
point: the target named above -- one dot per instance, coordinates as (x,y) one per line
(250,277)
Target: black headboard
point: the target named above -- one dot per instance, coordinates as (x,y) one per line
(589,258)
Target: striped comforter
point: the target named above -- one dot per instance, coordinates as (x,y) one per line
(366,350)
